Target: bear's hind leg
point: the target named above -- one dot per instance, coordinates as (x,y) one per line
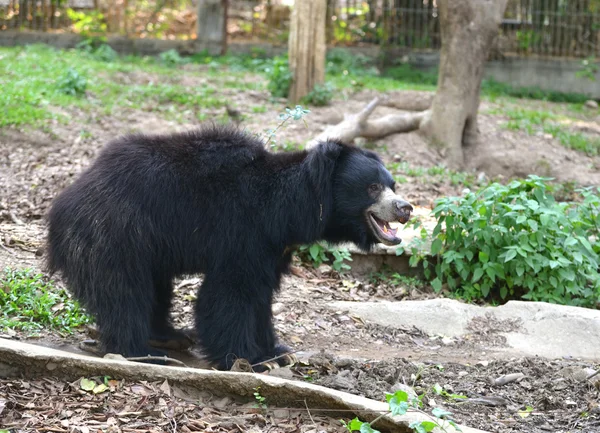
(122,305)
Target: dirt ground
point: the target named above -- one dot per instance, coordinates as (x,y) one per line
(336,349)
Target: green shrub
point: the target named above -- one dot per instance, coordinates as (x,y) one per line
(319,96)
(517,241)
(280,77)
(105,53)
(72,83)
(319,253)
(171,58)
(30,303)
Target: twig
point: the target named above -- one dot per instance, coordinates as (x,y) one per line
(273,359)
(593,375)
(157,358)
(308,412)
(12,253)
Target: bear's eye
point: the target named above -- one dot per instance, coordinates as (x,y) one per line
(374,188)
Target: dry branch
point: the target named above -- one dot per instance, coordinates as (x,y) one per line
(409,100)
(359,125)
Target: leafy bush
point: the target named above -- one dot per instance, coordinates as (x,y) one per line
(171,58)
(105,53)
(321,95)
(341,61)
(29,303)
(319,253)
(72,83)
(517,241)
(280,77)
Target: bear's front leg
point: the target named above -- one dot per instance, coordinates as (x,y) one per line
(233,316)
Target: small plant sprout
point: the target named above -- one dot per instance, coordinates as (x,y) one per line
(399,404)
(260,400)
(297,113)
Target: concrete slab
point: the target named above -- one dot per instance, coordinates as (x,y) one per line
(546,330)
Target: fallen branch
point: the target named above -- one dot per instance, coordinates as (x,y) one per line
(29,360)
(358,125)
(409,100)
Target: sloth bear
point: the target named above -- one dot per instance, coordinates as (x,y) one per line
(212,201)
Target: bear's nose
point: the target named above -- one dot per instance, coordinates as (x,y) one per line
(402,205)
(402,210)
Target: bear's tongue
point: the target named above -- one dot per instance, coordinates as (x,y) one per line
(386,229)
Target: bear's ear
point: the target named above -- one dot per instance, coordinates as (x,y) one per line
(321,161)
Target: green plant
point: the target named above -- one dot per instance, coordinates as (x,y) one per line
(89,24)
(319,253)
(321,95)
(533,121)
(589,68)
(280,77)
(28,302)
(171,58)
(399,404)
(105,53)
(260,400)
(72,83)
(516,240)
(297,113)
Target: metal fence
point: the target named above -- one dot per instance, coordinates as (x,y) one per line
(560,28)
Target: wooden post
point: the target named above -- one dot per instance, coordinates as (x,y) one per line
(306,48)
(212,25)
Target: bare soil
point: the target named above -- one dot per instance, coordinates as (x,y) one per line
(336,350)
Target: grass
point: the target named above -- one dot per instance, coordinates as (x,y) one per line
(402,171)
(29,303)
(534,121)
(37,79)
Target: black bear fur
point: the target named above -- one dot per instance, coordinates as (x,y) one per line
(214,201)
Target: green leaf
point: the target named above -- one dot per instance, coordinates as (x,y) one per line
(366,428)
(521,219)
(533,225)
(398,396)
(87,384)
(483,257)
(477,274)
(100,388)
(314,251)
(491,273)
(423,426)
(503,292)
(354,425)
(436,246)
(437,285)
(440,413)
(510,254)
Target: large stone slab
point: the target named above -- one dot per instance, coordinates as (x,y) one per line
(540,329)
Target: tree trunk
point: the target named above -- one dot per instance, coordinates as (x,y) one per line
(468,28)
(212,25)
(306,50)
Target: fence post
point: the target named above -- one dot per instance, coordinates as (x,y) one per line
(212,25)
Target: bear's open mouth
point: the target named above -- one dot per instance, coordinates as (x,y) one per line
(383,231)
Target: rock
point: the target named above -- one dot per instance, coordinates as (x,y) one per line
(223,402)
(283,373)
(591,104)
(278,308)
(575,373)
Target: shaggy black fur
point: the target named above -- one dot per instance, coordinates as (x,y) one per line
(212,201)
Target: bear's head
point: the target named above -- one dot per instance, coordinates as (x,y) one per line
(364,200)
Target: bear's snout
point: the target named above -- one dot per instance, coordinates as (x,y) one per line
(402,209)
